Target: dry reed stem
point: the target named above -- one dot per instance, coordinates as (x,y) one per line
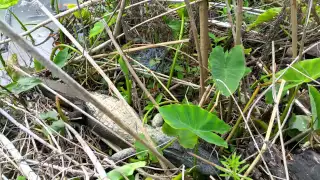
(239,17)
(268,134)
(102,173)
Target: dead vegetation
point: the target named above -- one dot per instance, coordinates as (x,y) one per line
(147,90)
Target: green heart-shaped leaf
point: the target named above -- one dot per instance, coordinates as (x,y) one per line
(61,58)
(227,67)
(96,30)
(192,120)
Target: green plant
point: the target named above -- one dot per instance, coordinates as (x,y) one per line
(98,27)
(96,30)
(21,178)
(4,4)
(228,67)
(174,26)
(22,84)
(188,122)
(301,124)
(125,70)
(301,72)
(56,123)
(216,40)
(267,16)
(125,170)
(235,167)
(142,152)
(84,12)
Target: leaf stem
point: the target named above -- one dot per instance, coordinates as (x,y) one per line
(62,45)
(177,52)
(23,27)
(235,127)
(293,93)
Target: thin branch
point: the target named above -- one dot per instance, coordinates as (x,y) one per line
(142,48)
(305,29)
(102,173)
(277,111)
(24,168)
(68,169)
(268,134)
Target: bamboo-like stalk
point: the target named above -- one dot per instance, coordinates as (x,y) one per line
(238,22)
(117,27)
(198,48)
(204,38)
(294,28)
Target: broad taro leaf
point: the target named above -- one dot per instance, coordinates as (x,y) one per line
(315,106)
(125,170)
(299,122)
(227,67)
(294,78)
(23,84)
(186,138)
(196,120)
(307,67)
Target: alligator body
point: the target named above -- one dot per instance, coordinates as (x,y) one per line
(175,153)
